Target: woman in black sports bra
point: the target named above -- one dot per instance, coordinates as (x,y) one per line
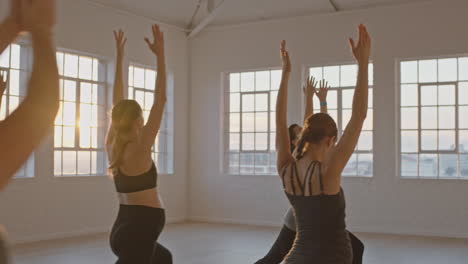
(141,216)
(287,234)
(311,179)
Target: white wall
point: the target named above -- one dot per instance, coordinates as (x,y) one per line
(384,203)
(47,207)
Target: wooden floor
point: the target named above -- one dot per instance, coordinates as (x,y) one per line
(201,243)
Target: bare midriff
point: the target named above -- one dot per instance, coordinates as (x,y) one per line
(148,198)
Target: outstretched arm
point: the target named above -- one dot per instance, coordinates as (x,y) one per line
(283,151)
(322,96)
(309,90)
(345,147)
(11,26)
(118,93)
(151,128)
(24,129)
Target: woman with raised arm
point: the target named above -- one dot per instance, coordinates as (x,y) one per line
(311,178)
(141,216)
(22,131)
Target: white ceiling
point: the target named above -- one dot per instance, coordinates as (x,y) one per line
(179,12)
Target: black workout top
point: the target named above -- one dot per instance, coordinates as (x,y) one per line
(320,219)
(129,184)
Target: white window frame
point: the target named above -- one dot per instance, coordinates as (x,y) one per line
(27,171)
(164,160)
(101,159)
(456,150)
(271,152)
(339,109)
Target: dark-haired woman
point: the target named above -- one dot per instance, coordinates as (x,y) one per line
(285,239)
(311,178)
(141,216)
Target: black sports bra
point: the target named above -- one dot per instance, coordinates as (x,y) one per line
(129,184)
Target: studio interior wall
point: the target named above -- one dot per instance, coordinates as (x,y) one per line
(384,203)
(47,207)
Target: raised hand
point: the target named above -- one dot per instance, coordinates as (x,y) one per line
(157,47)
(3,84)
(361,51)
(285,57)
(37,14)
(310,86)
(323,91)
(120,41)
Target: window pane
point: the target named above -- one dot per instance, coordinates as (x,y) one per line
(85,137)
(446,95)
(84,162)
(447,70)
(409,95)
(86,68)
(5,58)
(463,93)
(273,97)
(448,165)
(409,141)
(365,141)
(69,111)
(149,99)
(463,69)
(234,122)
(96,70)
(60,61)
(261,141)
(57,162)
(273,142)
(462,116)
(409,165)
(409,72)
(272,121)
(332,100)
(262,81)
(131,70)
(248,103)
(57,136)
(429,117)
(71,65)
(234,82)
(463,141)
(59,117)
(68,137)
(15,56)
(140,97)
(429,140)
(347,96)
(428,71)
(261,102)
(14,102)
(69,163)
(139,77)
(248,141)
(14,88)
(428,165)
(365,165)
(247,81)
(261,122)
(248,122)
(464,166)
(233,163)
(346,117)
(369,122)
(371,74)
(234,142)
(409,118)
(446,140)
(348,75)
(316,73)
(447,117)
(351,166)
(261,163)
(246,163)
(428,95)
(85,115)
(234,104)
(86,93)
(332,75)
(94,138)
(275,79)
(69,91)
(150,79)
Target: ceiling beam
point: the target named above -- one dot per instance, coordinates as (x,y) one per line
(334,5)
(207,20)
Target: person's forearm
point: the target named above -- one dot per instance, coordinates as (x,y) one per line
(360,100)
(282,101)
(161,82)
(323,107)
(309,106)
(8,33)
(118,93)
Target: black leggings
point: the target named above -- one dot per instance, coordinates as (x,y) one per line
(284,243)
(135,233)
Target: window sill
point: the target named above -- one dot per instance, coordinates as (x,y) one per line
(432,179)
